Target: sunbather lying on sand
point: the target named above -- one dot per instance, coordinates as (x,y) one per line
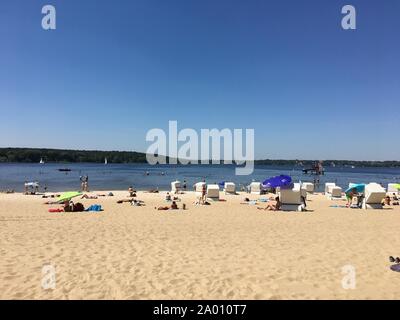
(49,196)
(86,196)
(124,200)
(152,191)
(137,203)
(7,191)
(173,206)
(69,206)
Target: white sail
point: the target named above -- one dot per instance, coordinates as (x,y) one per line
(105,161)
(41,161)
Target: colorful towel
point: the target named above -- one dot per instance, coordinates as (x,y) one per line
(94,207)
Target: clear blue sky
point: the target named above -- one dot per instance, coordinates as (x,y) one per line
(112,70)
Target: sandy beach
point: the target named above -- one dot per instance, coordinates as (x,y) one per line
(223,251)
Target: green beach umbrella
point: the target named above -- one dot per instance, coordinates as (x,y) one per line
(68,196)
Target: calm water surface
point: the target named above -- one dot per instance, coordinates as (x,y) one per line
(120,176)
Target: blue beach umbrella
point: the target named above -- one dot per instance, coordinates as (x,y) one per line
(360,187)
(278,181)
(222,184)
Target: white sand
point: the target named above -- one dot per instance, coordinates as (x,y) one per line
(222,251)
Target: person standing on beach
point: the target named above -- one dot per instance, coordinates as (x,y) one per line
(87,183)
(203,193)
(84,183)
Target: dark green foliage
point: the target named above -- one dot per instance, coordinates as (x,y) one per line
(58,155)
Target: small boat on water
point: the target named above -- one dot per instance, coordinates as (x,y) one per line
(105,161)
(41,161)
(64,169)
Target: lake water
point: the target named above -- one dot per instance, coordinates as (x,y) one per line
(121,176)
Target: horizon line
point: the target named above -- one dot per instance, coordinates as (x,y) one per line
(144,153)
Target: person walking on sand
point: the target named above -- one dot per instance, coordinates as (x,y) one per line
(84,183)
(203,193)
(81,179)
(87,183)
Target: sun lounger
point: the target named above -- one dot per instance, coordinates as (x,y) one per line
(374,194)
(303,192)
(308,186)
(327,185)
(230,187)
(255,188)
(291,198)
(213,191)
(335,192)
(175,186)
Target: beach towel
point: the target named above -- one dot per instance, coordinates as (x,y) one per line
(94,207)
(56,210)
(395,267)
(263,200)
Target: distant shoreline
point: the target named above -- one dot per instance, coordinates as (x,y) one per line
(66,156)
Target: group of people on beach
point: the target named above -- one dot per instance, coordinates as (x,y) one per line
(393,200)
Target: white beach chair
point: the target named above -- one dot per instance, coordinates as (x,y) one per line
(335,192)
(213,191)
(327,185)
(175,186)
(230,187)
(303,191)
(308,186)
(255,188)
(291,198)
(374,194)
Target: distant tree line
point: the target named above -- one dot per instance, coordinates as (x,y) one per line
(29,155)
(33,155)
(330,163)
